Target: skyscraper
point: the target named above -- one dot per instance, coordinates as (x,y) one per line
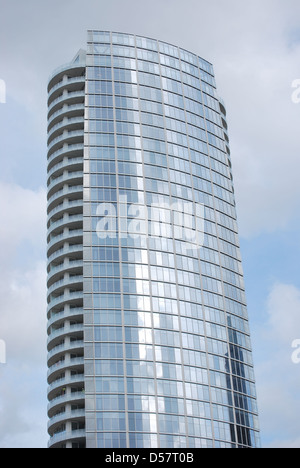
(149,341)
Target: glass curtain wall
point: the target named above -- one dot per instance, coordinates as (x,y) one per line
(167,348)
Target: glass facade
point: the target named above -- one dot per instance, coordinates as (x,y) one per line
(165,342)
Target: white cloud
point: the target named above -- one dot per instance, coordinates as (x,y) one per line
(23,273)
(278,383)
(255,78)
(23,406)
(23,317)
(23,218)
(23,313)
(284,313)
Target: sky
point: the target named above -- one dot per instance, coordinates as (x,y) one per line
(255,49)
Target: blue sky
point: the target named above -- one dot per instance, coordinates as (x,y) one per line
(255,49)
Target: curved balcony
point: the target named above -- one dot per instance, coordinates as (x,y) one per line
(65,208)
(70,111)
(58,384)
(74,178)
(59,240)
(71,164)
(74,150)
(70,251)
(68,282)
(55,370)
(68,207)
(69,266)
(64,416)
(69,83)
(66,138)
(69,98)
(57,335)
(73,191)
(69,69)
(61,400)
(70,221)
(67,298)
(59,318)
(65,437)
(75,123)
(65,256)
(60,350)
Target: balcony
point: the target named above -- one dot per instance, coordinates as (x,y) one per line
(70,251)
(57,384)
(73,150)
(67,164)
(76,415)
(67,266)
(68,282)
(70,83)
(74,123)
(59,240)
(71,207)
(71,98)
(68,177)
(67,298)
(56,439)
(67,221)
(57,368)
(70,192)
(60,317)
(75,110)
(67,137)
(61,400)
(61,333)
(70,69)
(60,350)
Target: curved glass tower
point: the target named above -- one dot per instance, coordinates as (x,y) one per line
(149,340)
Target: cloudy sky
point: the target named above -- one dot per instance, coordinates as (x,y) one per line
(255,49)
